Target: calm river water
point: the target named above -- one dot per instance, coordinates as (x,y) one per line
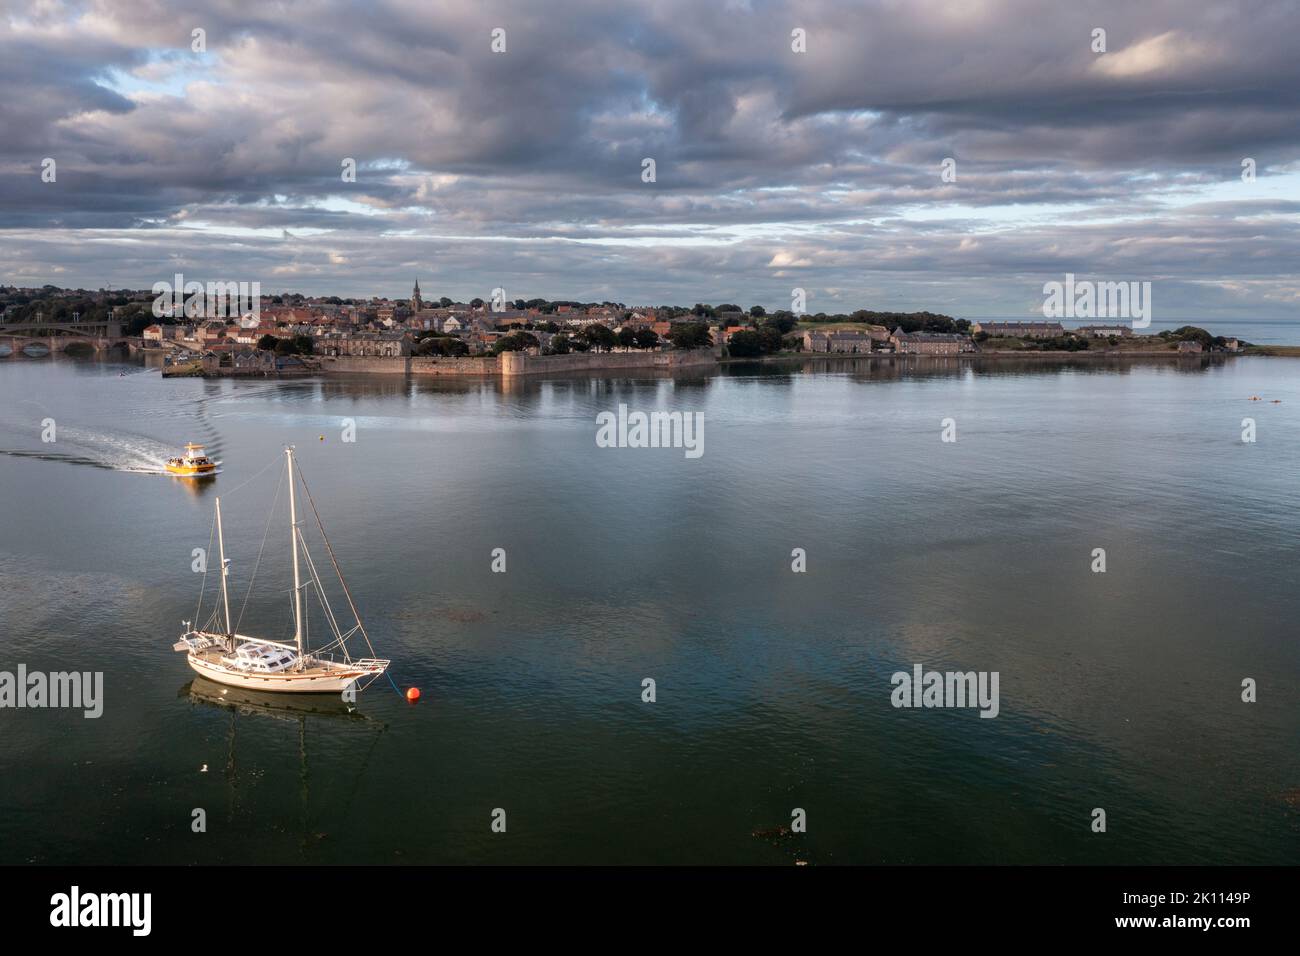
(1118,690)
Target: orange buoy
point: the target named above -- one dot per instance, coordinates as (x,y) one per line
(413,693)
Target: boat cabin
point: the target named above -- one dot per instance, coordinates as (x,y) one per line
(193,456)
(263,658)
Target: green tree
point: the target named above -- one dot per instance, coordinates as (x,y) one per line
(769,337)
(137,323)
(514,342)
(689,335)
(782,322)
(442,345)
(599,337)
(1192,333)
(267,343)
(746,344)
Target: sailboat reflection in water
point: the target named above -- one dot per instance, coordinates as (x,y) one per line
(298,711)
(216,652)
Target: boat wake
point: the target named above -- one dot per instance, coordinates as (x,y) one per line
(112,451)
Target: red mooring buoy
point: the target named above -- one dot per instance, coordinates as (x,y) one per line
(413,694)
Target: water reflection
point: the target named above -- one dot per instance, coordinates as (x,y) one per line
(198,486)
(248,707)
(278,706)
(899,367)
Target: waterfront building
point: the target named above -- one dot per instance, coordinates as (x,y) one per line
(251,361)
(848,341)
(930,343)
(1020,330)
(365,344)
(160,333)
(213,332)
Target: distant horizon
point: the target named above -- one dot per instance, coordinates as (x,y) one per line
(745,306)
(927,156)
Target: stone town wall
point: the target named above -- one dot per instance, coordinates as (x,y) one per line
(521,363)
(469,365)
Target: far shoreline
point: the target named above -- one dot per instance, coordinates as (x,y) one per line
(674,362)
(1271,351)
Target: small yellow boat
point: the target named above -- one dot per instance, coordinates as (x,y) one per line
(192,464)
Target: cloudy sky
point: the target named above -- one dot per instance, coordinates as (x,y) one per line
(774,169)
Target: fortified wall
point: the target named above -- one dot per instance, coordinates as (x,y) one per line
(511,364)
(521,363)
(470,365)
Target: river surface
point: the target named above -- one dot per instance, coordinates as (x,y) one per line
(1119,690)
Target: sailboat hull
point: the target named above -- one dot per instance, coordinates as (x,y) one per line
(318,678)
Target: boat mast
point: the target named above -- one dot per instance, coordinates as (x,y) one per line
(225,596)
(293,533)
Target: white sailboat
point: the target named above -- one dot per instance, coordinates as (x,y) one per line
(257,663)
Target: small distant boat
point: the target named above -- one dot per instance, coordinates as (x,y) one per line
(192,464)
(216,652)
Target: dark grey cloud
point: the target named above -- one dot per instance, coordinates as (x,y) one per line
(774,169)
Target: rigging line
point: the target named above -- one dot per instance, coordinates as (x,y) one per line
(320,593)
(333,560)
(211,534)
(251,477)
(265,534)
(356,783)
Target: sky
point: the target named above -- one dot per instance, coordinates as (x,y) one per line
(775,168)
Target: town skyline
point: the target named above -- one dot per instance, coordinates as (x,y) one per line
(931,156)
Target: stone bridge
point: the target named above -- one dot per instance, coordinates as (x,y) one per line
(15,345)
(17,337)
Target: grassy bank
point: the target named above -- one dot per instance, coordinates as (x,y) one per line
(1284,351)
